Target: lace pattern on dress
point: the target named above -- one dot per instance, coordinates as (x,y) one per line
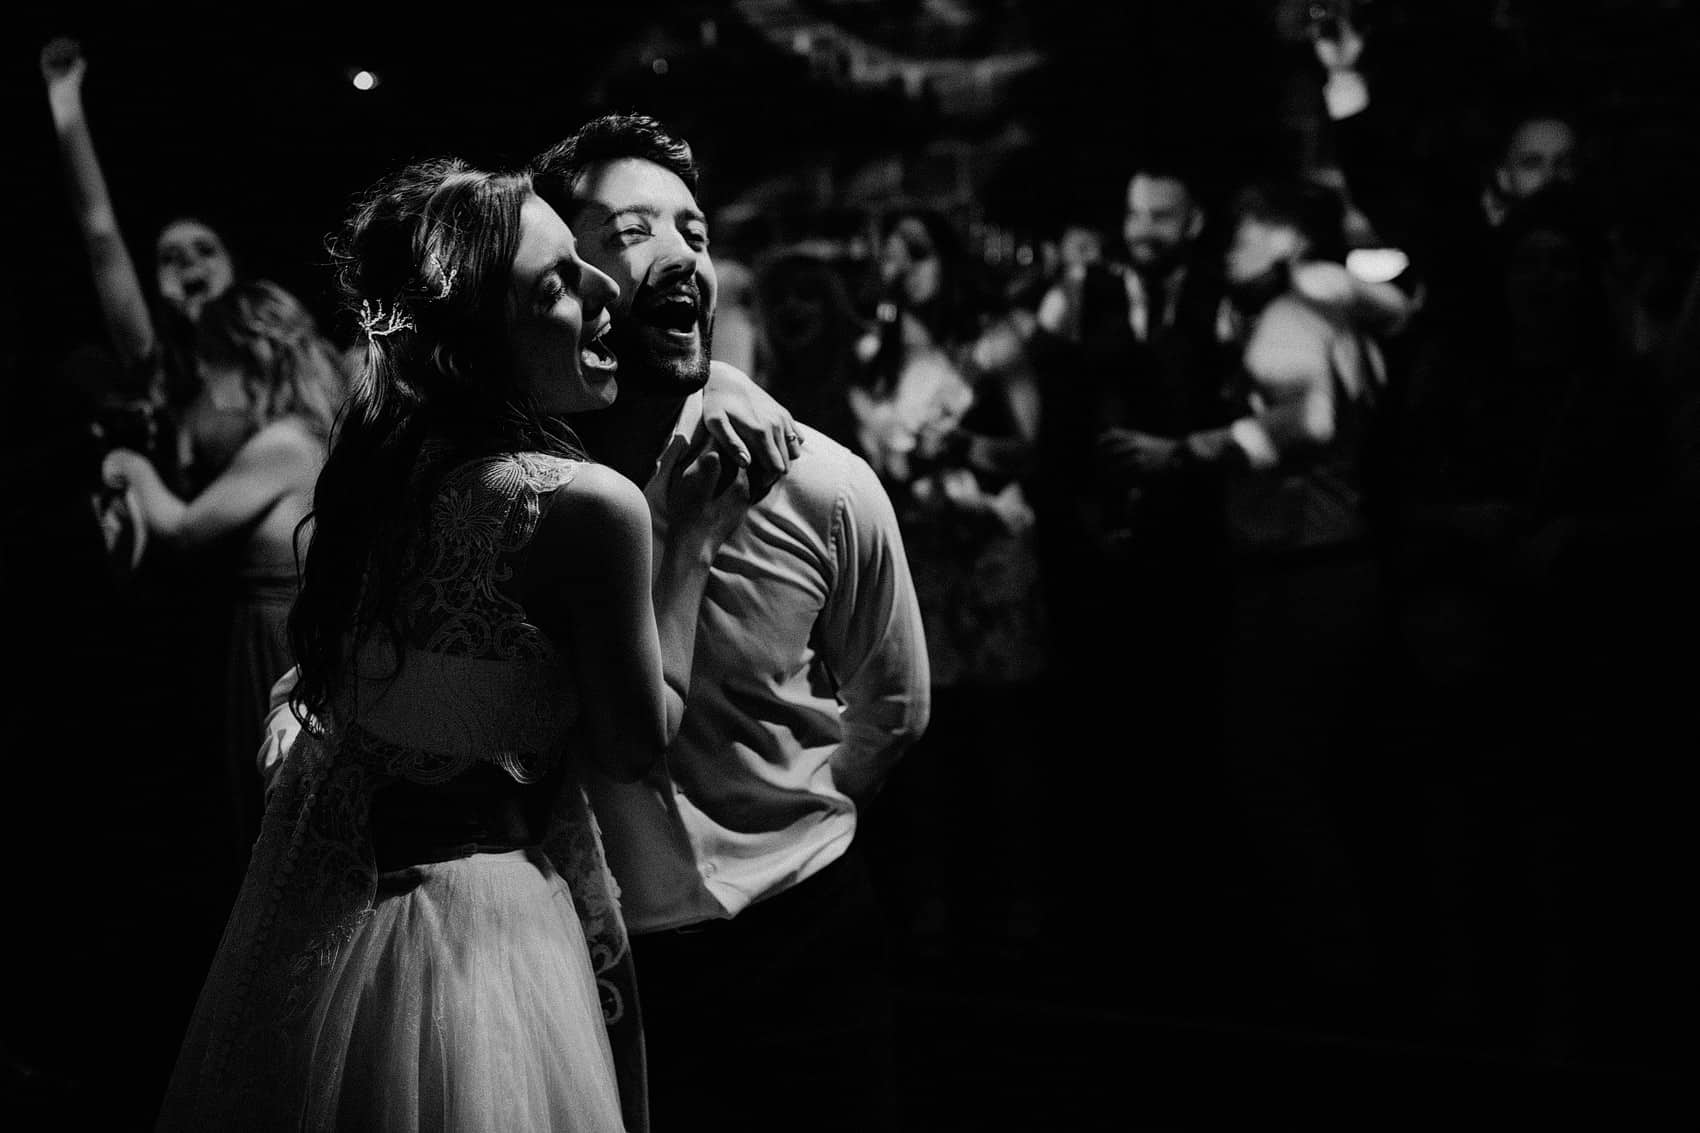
(483,512)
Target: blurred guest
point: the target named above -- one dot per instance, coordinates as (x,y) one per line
(1150,360)
(1440,207)
(1152,321)
(1528,411)
(262,359)
(1155,330)
(948,415)
(166,616)
(809,334)
(1536,521)
(1079,247)
(1304,588)
(926,275)
(1540,150)
(1133,556)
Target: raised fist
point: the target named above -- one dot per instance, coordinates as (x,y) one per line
(62,61)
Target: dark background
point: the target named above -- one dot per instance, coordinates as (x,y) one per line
(244,114)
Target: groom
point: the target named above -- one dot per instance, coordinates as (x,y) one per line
(759,948)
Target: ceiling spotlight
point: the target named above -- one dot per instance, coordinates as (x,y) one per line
(363,80)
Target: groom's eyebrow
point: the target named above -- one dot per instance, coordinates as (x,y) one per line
(606,214)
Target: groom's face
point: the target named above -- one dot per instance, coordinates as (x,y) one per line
(639,223)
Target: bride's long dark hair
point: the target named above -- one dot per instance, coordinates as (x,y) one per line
(424,264)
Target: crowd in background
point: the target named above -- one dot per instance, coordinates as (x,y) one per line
(1300,634)
(1300,565)
(1304,563)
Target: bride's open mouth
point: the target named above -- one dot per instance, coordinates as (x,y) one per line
(595,355)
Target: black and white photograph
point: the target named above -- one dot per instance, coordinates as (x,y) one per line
(851,566)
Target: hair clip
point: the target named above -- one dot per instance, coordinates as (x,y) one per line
(381,325)
(447,278)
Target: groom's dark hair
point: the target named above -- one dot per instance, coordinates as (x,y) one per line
(608,138)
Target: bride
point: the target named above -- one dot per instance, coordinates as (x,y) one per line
(427,936)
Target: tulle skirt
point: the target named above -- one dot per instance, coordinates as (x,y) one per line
(464,1003)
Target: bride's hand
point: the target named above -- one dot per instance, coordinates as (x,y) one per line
(707,497)
(747,421)
(122,467)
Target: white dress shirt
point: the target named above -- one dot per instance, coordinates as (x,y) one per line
(810,679)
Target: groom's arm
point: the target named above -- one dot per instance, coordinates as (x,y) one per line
(871,638)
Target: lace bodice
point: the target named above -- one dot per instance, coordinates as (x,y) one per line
(484,512)
(474,679)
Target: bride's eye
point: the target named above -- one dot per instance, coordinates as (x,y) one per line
(550,292)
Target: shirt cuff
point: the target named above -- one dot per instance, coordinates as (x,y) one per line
(1345,94)
(1254,441)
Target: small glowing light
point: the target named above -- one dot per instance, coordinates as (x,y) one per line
(659,66)
(1377,265)
(364,80)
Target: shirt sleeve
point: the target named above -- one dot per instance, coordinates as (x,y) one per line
(1288,359)
(281,728)
(871,637)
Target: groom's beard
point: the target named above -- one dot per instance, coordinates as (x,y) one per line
(651,360)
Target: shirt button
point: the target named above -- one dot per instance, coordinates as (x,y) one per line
(708,869)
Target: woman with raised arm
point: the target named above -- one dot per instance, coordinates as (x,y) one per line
(153,339)
(428,936)
(164,616)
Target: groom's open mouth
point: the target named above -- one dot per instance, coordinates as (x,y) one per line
(677,311)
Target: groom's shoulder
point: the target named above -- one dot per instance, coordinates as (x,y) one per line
(829,471)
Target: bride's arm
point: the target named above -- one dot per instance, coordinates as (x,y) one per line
(748,422)
(626,611)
